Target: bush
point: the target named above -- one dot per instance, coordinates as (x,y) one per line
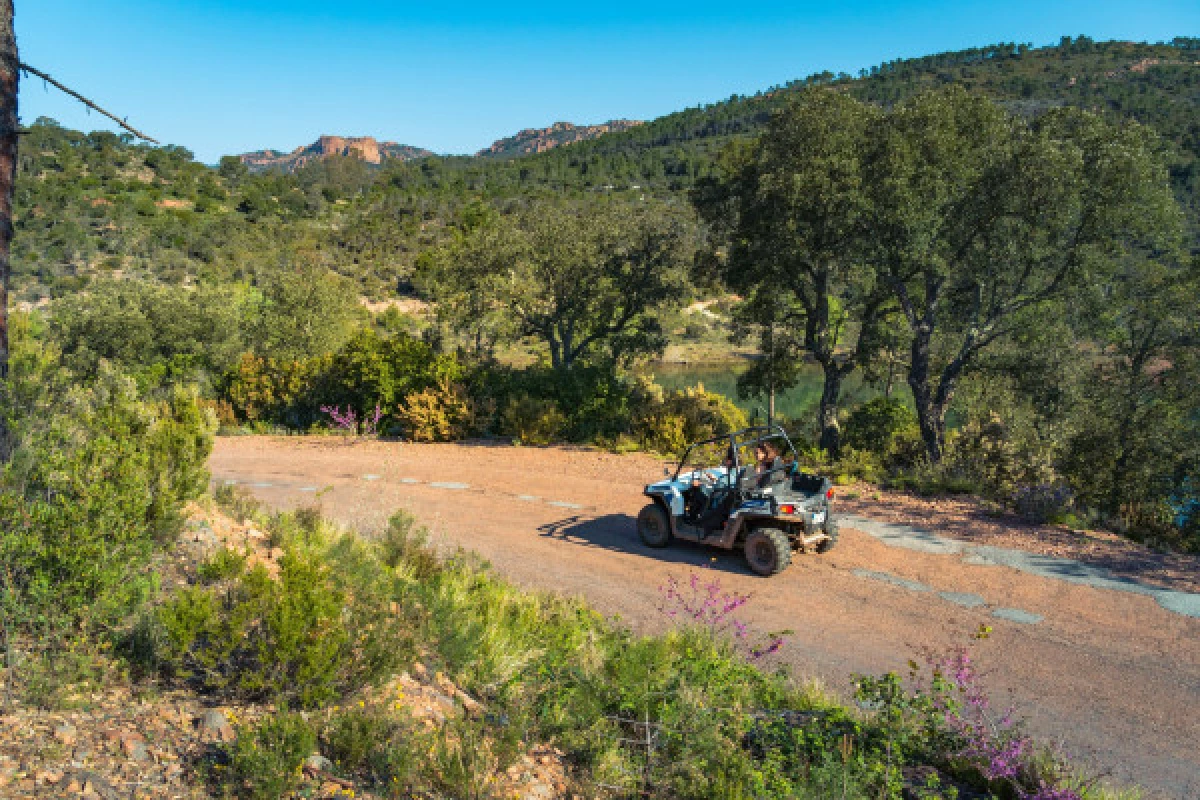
(223,565)
(371,370)
(405,546)
(237,501)
(156,333)
(265,760)
(533,420)
(587,403)
(874,424)
(323,628)
(442,413)
(887,428)
(1043,503)
(373,746)
(669,422)
(379,370)
(263,389)
(97,480)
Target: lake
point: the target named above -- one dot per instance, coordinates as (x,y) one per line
(798,403)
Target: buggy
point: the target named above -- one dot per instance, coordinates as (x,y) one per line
(719,496)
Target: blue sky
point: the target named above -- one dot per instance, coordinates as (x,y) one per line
(219,76)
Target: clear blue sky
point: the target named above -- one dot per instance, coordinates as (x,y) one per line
(221,76)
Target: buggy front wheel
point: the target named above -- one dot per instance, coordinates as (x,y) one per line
(653,526)
(768,551)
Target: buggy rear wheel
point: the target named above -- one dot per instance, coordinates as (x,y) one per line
(831,530)
(653,526)
(768,551)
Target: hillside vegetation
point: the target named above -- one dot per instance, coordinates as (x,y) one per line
(1037,301)
(93,204)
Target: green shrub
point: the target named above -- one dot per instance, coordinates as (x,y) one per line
(267,390)
(887,428)
(373,746)
(157,333)
(587,403)
(533,420)
(378,370)
(874,424)
(222,565)
(323,628)
(97,480)
(237,501)
(405,546)
(461,762)
(265,760)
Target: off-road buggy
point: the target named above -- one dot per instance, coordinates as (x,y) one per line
(721,495)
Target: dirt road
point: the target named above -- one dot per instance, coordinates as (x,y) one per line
(1113,676)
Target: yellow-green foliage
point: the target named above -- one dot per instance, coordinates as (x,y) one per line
(261,388)
(441,413)
(669,422)
(532,420)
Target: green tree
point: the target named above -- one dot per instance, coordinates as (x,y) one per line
(979,219)
(152,331)
(788,211)
(1137,440)
(585,280)
(304,310)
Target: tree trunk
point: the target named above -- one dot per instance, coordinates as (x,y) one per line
(931,415)
(9,75)
(831,430)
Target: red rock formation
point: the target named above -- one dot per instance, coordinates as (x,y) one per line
(366,148)
(537,140)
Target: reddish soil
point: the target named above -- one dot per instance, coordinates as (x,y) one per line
(1111,676)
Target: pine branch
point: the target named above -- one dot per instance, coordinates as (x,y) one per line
(38,73)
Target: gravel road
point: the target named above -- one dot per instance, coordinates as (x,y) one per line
(1111,674)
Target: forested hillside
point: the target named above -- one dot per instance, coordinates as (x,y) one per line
(988,227)
(96,204)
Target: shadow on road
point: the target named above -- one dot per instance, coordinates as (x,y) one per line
(618,532)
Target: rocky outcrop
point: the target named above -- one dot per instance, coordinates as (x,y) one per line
(537,140)
(366,148)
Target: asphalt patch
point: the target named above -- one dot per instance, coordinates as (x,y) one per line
(1062,569)
(895,580)
(1017,615)
(964,599)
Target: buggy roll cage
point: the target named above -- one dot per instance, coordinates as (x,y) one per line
(752,435)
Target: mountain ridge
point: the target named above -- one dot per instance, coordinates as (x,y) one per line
(366,148)
(539,140)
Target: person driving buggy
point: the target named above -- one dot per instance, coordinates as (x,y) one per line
(698,496)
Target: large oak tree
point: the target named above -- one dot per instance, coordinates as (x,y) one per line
(587,280)
(787,212)
(979,220)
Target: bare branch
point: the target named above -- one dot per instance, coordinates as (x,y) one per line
(39,74)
